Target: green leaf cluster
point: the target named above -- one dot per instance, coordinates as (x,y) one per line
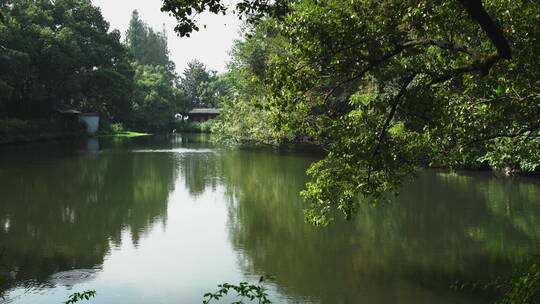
(79,296)
(244,291)
(245,115)
(202,88)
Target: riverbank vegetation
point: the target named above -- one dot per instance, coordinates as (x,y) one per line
(193,127)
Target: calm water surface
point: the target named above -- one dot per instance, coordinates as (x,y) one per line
(164,220)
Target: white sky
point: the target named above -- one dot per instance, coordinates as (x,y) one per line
(210,45)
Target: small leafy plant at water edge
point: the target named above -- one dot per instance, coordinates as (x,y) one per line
(79,296)
(520,287)
(244,291)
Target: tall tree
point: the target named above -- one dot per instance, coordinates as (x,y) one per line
(156,97)
(153,98)
(148,47)
(200,85)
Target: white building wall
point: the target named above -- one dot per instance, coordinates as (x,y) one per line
(91,121)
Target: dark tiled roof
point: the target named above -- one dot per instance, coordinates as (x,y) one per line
(70,111)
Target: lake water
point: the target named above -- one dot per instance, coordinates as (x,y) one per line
(166,219)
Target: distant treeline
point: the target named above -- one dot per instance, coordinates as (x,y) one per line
(62,55)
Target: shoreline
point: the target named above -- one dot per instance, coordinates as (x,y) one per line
(48,137)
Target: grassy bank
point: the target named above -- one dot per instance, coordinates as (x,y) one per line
(130,134)
(13,131)
(117,130)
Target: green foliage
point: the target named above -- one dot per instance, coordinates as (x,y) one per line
(185,11)
(523,288)
(153,98)
(202,88)
(244,290)
(243,118)
(194,127)
(514,154)
(117,128)
(60,54)
(79,296)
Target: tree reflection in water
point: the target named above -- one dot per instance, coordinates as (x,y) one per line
(64,210)
(442,227)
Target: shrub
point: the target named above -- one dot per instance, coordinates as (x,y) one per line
(194,127)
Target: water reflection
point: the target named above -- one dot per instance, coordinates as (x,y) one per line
(66,210)
(443,227)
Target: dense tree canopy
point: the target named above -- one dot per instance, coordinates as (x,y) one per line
(55,54)
(386,86)
(201,87)
(61,55)
(156,97)
(239,121)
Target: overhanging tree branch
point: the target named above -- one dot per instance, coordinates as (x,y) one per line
(444,45)
(394,105)
(480,63)
(527,131)
(493,31)
(370,66)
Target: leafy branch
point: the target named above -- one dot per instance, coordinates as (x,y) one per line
(244,290)
(79,296)
(393,109)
